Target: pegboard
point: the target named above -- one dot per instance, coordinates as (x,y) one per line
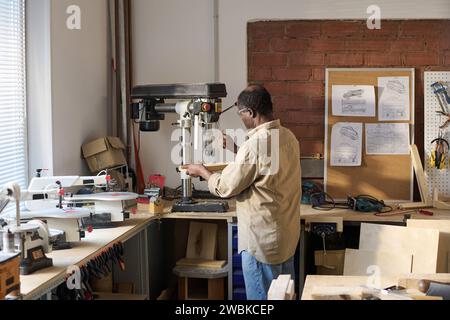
(435,178)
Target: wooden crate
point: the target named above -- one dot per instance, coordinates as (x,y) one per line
(9,275)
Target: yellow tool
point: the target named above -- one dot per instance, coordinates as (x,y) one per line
(438,157)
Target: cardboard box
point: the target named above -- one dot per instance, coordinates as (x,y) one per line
(104,153)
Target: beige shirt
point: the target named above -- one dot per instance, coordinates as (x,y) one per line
(267,201)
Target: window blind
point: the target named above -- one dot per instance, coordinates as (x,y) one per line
(13,122)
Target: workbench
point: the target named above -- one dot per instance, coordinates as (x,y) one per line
(40,284)
(313,281)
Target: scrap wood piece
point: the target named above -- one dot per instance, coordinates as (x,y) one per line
(202,241)
(423,244)
(282,288)
(444,239)
(357,262)
(200,263)
(214,167)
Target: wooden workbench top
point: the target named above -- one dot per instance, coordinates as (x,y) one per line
(306,211)
(36,284)
(322,282)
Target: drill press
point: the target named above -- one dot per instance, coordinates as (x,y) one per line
(199,106)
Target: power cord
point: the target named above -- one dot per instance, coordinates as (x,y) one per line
(362,203)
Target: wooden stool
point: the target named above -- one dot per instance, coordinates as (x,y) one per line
(191,279)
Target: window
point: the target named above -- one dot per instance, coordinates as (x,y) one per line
(13,122)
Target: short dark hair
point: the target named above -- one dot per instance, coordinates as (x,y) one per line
(257,98)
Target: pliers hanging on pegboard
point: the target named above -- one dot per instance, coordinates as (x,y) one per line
(440,90)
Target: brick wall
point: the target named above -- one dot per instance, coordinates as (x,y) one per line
(290,57)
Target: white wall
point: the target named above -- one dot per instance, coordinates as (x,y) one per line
(39,86)
(67,83)
(80,81)
(173,41)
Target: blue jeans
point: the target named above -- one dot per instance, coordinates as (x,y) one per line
(258,276)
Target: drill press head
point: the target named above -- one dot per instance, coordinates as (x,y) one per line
(205,102)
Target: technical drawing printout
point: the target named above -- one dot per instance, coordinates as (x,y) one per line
(346,144)
(393,95)
(353,101)
(387,138)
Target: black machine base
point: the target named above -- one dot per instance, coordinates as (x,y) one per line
(98,221)
(36,261)
(200,207)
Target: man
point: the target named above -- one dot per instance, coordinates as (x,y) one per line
(267,200)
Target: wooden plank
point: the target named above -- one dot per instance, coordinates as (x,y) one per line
(216,289)
(279,288)
(390,263)
(420,175)
(202,241)
(214,167)
(207,264)
(444,239)
(423,244)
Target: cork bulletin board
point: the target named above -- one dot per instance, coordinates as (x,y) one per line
(388,177)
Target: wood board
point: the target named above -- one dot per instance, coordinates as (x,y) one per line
(387,177)
(444,239)
(423,244)
(357,262)
(207,264)
(202,241)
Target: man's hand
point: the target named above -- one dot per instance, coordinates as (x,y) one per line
(198,170)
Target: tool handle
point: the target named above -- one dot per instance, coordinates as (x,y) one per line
(424,285)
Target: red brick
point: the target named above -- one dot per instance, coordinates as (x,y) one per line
(307,117)
(276,87)
(291,73)
(368,45)
(308,131)
(422,59)
(319,74)
(303,29)
(345,59)
(407,45)
(292,102)
(389,29)
(281,115)
(342,28)
(311,147)
(327,45)
(265,29)
(259,74)
(318,103)
(307,59)
(429,28)
(444,42)
(285,45)
(259,45)
(376,59)
(312,89)
(269,59)
(447,59)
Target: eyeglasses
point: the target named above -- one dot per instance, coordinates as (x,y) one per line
(242,110)
(239,111)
